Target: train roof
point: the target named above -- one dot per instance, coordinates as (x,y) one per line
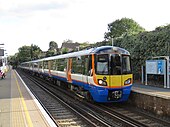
(96,50)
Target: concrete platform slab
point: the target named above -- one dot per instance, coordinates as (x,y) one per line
(18,108)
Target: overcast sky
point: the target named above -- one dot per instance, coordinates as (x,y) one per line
(26,22)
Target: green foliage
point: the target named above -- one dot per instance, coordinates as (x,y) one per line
(64,50)
(35,52)
(146,45)
(83,45)
(121,27)
(27,53)
(24,53)
(50,53)
(53,49)
(53,45)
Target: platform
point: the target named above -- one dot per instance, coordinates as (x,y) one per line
(154,99)
(18,106)
(152,91)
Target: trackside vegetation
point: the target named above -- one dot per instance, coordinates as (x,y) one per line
(125,33)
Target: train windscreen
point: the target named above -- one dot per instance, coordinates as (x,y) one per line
(115,64)
(102,64)
(126,66)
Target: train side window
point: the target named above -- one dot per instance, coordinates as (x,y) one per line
(62,64)
(77,65)
(45,64)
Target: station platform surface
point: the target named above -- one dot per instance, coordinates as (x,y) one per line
(18,106)
(151,90)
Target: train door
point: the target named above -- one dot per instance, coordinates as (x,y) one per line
(49,67)
(85,69)
(115,71)
(68,71)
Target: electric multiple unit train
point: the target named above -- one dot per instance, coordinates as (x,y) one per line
(102,74)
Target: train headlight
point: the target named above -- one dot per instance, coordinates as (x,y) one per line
(101,82)
(128,81)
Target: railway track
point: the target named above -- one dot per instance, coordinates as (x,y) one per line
(93,114)
(138,115)
(60,111)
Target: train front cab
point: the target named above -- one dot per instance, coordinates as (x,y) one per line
(113,77)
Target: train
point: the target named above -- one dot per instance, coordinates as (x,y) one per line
(101,74)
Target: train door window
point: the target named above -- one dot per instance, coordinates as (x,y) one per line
(83,64)
(102,64)
(86,65)
(40,64)
(31,65)
(89,65)
(56,65)
(74,69)
(115,64)
(79,65)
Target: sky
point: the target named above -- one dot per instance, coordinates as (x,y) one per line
(26,22)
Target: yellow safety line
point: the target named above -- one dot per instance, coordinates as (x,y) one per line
(23,103)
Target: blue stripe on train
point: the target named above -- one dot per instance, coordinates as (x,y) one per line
(99,94)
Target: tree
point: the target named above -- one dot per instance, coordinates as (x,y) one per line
(64,50)
(53,49)
(24,53)
(13,60)
(27,53)
(53,45)
(121,27)
(35,52)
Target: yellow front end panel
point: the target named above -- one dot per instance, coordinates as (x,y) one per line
(112,81)
(115,81)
